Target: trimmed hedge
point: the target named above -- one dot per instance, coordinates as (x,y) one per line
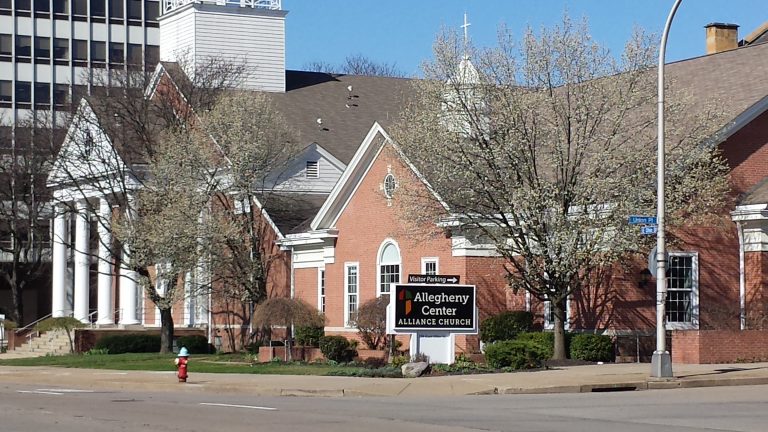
(515,354)
(505,326)
(196,344)
(592,347)
(308,336)
(337,348)
(130,343)
(546,340)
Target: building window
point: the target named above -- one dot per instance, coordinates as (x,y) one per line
(23,92)
(42,93)
(134,54)
(42,8)
(23,46)
(134,10)
(116,52)
(98,51)
(97,8)
(313,169)
(60,94)
(389,266)
(116,10)
(429,266)
(80,9)
(61,7)
(23,7)
(389,185)
(5,7)
(61,49)
(6,45)
(321,290)
(80,51)
(42,49)
(152,9)
(549,315)
(350,293)
(152,56)
(682,290)
(6,91)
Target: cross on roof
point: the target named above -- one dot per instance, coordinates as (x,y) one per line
(465,26)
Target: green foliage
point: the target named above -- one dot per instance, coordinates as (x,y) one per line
(545,339)
(399,360)
(196,344)
(130,343)
(308,335)
(592,347)
(337,348)
(505,326)
(10,325)
(382,372)
(97,351)
(515,354)
(419,357)
(61,323)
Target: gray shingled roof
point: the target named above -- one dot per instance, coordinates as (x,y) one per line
(346,117)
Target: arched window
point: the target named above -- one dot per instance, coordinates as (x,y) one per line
(389,266)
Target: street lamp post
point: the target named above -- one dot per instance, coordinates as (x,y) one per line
(661,363)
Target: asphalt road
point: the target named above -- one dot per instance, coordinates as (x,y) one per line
(29,408)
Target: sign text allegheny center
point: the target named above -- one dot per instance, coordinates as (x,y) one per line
(434,307)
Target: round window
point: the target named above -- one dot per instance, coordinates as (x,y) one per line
(389,185)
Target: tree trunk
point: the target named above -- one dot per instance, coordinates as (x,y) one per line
(559,330)
(166,331)
(18,303)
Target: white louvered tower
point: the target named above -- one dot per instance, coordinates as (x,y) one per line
(252,31)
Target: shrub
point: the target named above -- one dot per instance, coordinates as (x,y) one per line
(546,340)
(592,347)
(515,354)
(130,343)
(398,361)
(61,323)
(505,326)
(309,335)
(371,322)
(196,344)
(337,348)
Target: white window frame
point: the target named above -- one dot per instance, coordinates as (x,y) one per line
(694,323)
(550,324)
(321,289)
(426,260)
(347,293)
(380,264)
(315,172)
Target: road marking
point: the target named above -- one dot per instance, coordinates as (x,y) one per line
(39,392)
(66,390)
(238,406)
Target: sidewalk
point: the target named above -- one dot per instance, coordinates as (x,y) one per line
(573,379)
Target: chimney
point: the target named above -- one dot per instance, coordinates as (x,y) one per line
(721,37)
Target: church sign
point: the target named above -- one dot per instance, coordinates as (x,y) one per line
(428,307)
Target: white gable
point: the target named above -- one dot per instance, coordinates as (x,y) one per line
(313,171)
(87,159)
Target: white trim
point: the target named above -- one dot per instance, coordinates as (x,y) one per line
(463,247)
(742,278)
(694,324)
(379,263)
(550,325)
(425,260)
(347,266)
(341,329)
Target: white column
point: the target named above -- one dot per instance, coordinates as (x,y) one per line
(128,279)
(82,260)
(60,239)
(105,308)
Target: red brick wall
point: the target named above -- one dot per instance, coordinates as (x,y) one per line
(747,153)
(719,346)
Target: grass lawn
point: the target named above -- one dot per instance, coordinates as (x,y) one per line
(157,362)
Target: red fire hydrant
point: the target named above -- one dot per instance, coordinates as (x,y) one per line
(181,364)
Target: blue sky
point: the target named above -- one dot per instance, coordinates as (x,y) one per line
(402,32)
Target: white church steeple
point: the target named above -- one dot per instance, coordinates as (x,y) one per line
(250,31)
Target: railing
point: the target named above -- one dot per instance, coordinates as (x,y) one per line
(169,5)
(28,331)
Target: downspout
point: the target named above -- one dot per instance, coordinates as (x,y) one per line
(742,279)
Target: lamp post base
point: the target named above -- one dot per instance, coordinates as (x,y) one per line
(661,365)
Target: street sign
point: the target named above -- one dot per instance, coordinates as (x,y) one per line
(642,220)
(426,307)
(433,279)
(653,265)
(649,229)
